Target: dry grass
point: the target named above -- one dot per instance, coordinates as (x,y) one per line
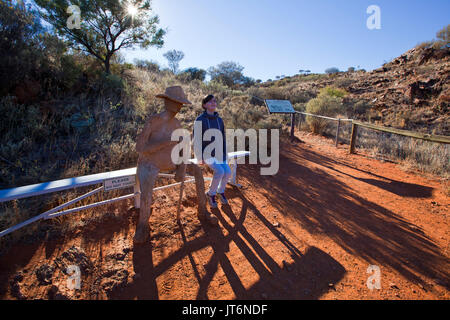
(428,157)
(39,146)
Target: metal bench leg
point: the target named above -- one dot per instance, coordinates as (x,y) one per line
(137,196)
(233,167)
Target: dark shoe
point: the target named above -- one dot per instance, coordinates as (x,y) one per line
(222,198)
(211,200)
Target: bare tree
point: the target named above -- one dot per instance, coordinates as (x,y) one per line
(174,57)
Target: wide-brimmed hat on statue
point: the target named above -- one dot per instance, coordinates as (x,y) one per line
(176,94)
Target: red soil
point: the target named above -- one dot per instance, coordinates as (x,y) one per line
(309,232)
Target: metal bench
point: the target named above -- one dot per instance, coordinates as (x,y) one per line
(110,181)
(232,156)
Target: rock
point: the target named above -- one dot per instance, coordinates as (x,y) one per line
(16,288)
(117,256)
(16,291)
(44,274)
(74,256)
(114,279)
(18,277)
(393,286)
(54,293)
(276,224)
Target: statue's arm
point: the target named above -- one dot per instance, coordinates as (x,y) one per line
(143,137)
(142,140)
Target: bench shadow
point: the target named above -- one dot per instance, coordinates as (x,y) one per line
(308,277)
(400,188)
(325,206)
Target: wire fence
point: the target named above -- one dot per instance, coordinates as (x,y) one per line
(429,153)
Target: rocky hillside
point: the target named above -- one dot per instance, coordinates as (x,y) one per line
(410,92)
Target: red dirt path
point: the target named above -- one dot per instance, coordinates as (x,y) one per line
(309,232)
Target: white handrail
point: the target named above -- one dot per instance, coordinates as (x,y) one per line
(77,182)
(64,184)
(324,117)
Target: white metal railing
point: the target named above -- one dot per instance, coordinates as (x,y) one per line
(323,117)
(338,127)
(111,181)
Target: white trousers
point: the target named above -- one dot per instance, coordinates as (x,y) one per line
(222,173)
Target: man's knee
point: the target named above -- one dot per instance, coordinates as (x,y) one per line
(218,172)
(226,170)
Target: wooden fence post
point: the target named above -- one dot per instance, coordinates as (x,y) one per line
(337,132)
(353,139)
(292,125)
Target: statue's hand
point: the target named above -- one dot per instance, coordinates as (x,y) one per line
(154,147)
(180,172)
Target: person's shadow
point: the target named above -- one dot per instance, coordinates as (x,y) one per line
(307,277)
(143,286)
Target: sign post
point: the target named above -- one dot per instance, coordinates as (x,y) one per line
(282,106)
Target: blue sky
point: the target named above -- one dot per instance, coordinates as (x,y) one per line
(270,38)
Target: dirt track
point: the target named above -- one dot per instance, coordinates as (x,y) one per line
(310,232)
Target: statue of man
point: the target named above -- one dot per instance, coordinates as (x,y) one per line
(154,146)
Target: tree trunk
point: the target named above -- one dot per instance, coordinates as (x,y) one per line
(107,64)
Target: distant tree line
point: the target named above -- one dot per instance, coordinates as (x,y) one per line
(228,73)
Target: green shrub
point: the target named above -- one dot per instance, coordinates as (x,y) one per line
(328,103)
(71,71)
(360,109)
(333,92)
(111,83)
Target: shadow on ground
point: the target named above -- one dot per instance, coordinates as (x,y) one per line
(308,277)
(325,206)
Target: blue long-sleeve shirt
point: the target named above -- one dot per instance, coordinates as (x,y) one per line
(209,122)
